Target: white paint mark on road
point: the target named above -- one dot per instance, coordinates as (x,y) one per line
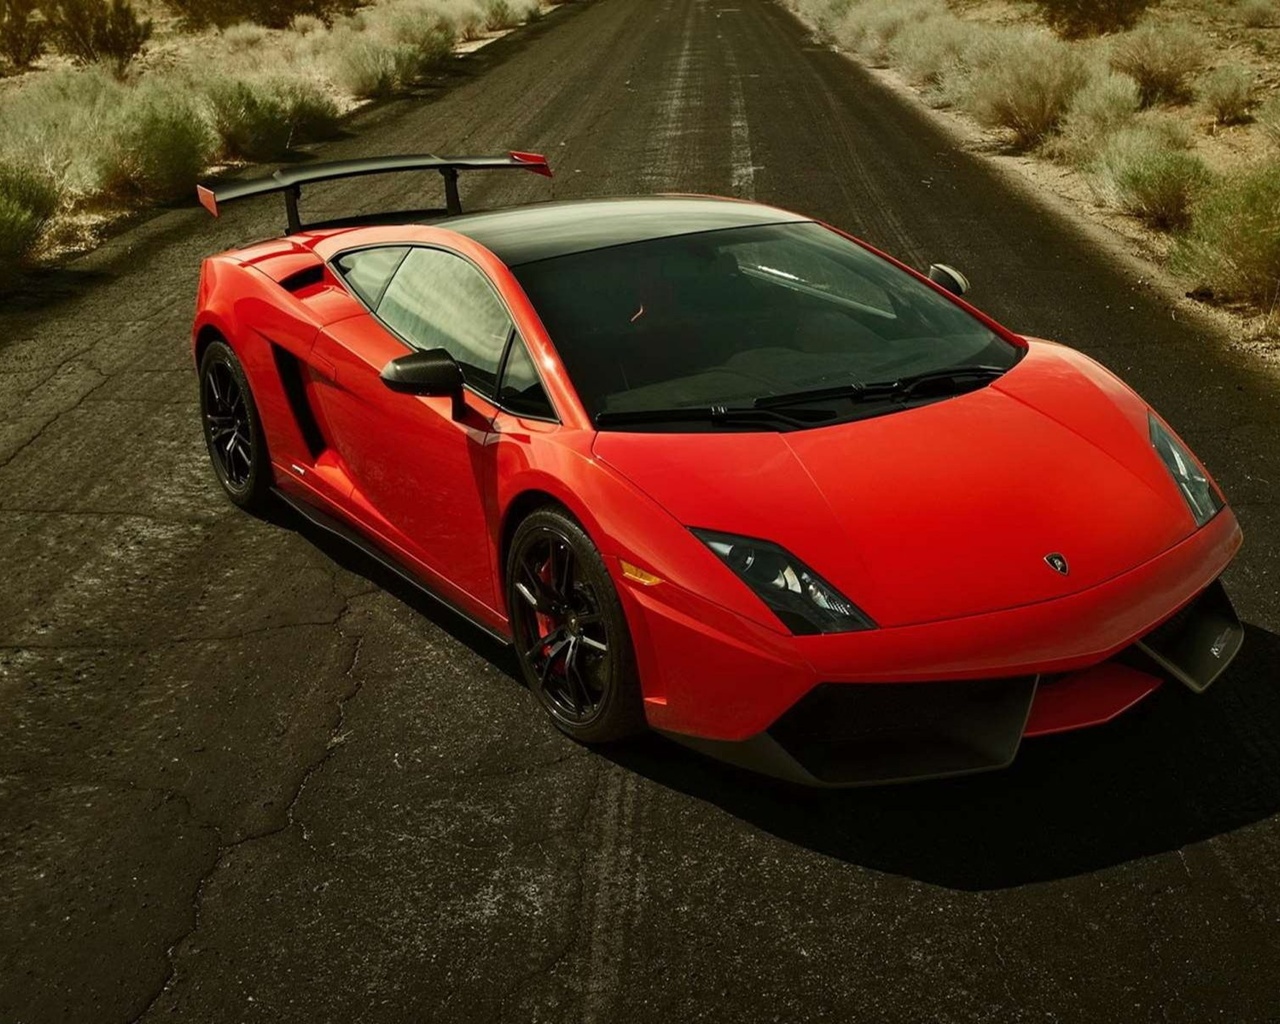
(743,170)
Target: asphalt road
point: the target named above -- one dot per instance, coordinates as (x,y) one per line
(244,776)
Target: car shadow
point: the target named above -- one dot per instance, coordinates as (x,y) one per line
(1178,769)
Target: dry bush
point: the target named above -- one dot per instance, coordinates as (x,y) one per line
(28,198)
(306,24)
(1143,172)
(1027,89)
(365,66)
(931,48)
(1268,118)
(1233,247)
(872,28)
(1227,93)
(1075,19)
(157,143)
(105,32)
(499,14)
(1256,13)
(244,36)
(55,122)
(261,119)
(1106,103)
(22,33)
(276,14)
(1162,59)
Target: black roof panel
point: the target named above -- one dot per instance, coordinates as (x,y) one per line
(540,231)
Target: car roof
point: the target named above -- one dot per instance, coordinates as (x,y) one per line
(540,231)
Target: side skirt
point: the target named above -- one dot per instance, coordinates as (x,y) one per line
(339,529)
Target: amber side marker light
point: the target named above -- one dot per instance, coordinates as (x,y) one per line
(634,572)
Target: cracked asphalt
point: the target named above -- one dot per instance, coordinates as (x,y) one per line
(245,775)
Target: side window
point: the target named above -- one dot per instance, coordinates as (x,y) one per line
(438,300)
(367,271)
(522,390)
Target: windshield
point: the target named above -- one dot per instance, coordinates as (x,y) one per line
(727,318)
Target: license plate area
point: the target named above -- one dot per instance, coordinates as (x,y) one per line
(1197,644)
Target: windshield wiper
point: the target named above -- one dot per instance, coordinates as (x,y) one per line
(959,377)
(727,415)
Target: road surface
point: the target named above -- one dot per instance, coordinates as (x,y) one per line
(246,776)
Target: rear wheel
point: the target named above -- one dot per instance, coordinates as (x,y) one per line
(570,632)
(232,429)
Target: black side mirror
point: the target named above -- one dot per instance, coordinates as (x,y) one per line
(949,278)
(433,372)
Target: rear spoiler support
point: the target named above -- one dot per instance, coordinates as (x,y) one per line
(289,181)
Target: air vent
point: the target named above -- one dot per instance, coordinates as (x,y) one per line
(301,279)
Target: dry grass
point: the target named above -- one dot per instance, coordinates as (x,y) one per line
(1256,13)
(263,118)
(108,144)
(1029,88)
(1141,172)
(1227,93)
(28,199)
(1106,103)
(1233,247)
(1162,59)
(1268,118)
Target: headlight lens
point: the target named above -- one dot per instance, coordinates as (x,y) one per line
(1203,500)
(803,600)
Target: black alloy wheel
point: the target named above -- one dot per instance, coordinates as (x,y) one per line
(232,429)
(570,633)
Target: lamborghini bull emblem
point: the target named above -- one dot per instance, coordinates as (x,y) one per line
(1057,563)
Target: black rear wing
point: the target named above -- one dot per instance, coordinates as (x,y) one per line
(289,180)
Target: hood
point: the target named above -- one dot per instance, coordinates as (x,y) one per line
(945,510)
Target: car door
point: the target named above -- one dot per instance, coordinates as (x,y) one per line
(421,469)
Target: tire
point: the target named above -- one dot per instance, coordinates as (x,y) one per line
(571,639)
(233,429)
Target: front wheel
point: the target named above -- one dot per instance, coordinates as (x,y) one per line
(570,632)
(232,429)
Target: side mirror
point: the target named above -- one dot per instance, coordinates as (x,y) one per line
(949,278)
(433,372)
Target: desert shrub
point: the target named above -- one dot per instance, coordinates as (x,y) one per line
(97,31)
(498,14)
(305,24)
(21,33)
(1106,103)
(468,21)
(1256,13)
(244,36)
(872,28)
(424,30)
(928,49)
(1029,91)
(1163,60)
(1227,93)
(157,143)
(1268,118)
(1233,246)
(55,122)
(28,198)
(1074,19)
(367,67)
(260,119)
(1140,172)
(276,14)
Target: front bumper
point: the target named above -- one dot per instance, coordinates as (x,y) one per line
(816,710)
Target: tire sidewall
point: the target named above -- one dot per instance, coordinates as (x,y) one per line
(256,488)
(621,712)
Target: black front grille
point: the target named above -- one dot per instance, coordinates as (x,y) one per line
(879,732)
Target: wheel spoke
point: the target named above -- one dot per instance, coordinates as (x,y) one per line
(565,579)
(552,655)
(593,643)
(542,643)
(573,675)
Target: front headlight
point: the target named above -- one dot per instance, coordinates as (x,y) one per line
(1203,500)
(803,600)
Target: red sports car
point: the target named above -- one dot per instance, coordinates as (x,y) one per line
(721,470)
